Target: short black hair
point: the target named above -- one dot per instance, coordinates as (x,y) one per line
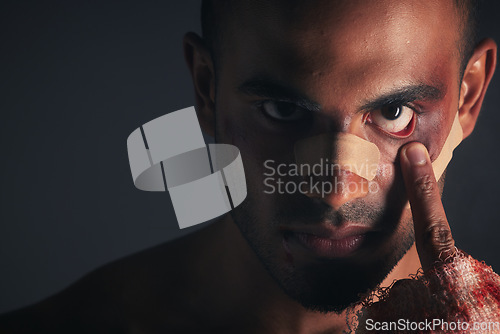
(214,13)
(469,17)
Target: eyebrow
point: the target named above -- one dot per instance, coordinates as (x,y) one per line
(267,88)
(406,94)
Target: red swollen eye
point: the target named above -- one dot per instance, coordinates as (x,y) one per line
(396,120)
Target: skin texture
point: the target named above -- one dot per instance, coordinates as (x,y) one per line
(340,67)
(235,276)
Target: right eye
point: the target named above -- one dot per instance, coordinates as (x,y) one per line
(283,111)
(397,120)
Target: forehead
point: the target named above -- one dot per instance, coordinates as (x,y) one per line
(344,42)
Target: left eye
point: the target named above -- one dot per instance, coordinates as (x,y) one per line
(394,119)
(283,111)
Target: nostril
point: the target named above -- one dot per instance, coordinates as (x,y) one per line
(345,187)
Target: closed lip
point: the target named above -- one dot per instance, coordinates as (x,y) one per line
(327,231)
(326,241)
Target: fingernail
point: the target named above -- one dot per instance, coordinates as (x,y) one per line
(416,155)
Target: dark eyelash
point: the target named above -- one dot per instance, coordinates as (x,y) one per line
(260,107)
(413,107)
(258,104)
(407,104)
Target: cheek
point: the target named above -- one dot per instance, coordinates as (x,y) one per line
(435,131)
(236,127)
(386,173)
(429,131)
(388,168)
(242,125)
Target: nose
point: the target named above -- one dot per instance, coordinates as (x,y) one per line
(339,188)
(346,163)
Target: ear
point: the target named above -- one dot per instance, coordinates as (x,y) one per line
(200,64)
(477,77)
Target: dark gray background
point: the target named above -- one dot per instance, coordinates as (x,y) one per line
(76,78)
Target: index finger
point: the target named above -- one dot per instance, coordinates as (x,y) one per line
(432,232)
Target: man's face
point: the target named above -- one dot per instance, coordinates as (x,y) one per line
(295,69)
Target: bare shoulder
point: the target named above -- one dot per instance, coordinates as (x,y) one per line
(127,293)
(85,302)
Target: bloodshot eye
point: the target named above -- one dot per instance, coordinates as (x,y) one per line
(396,120)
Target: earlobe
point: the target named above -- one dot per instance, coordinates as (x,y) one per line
(199,61)
(476,79)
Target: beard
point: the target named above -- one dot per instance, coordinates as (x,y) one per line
(325,285)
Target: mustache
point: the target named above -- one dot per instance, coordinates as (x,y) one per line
(313,211)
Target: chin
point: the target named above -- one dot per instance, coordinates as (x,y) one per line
(335,285)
